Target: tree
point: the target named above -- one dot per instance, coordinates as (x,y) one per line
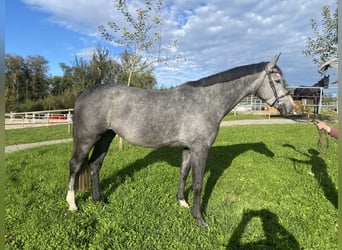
(38,81)
(140,79)
(103,68)
(140,38)
(15,77)
(324,45)
(25,79)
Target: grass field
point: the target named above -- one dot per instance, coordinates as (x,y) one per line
(29,135)
(265,187)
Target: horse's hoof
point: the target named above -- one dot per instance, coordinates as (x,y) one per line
(183,203)
(73,208)
(203,224)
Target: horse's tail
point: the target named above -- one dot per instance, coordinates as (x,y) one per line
(83,181)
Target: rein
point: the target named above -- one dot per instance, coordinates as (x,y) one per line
(320,139)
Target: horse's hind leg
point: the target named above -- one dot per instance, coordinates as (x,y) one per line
(80,156)
(95,162)
(184,172)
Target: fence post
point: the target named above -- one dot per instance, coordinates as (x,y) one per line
(69,120)
(320,100)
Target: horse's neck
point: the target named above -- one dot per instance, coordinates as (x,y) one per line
(318,84)
(225,96)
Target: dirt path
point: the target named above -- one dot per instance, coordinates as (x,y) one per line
(13,148)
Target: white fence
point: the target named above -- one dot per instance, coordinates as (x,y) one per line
(38,118)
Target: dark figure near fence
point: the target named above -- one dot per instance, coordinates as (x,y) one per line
(187,116)
(312,93)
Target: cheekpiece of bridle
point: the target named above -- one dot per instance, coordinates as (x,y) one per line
(272,83)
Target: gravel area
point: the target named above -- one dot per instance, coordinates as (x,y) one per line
(13,148)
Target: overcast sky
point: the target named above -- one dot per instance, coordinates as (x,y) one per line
(213,35)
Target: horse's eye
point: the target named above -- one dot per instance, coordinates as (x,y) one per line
(278,81)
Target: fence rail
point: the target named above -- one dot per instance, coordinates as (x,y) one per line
(15,120)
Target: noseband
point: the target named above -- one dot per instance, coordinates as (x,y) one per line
(272,83)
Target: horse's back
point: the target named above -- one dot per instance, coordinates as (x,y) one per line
(132,113)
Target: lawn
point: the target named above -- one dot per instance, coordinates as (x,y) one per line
(38,134)
(265,187)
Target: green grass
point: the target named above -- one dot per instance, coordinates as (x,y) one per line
(265,187)
(28,135)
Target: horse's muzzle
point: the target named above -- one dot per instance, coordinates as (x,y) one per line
(285,106)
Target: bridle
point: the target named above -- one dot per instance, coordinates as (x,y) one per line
(272,83)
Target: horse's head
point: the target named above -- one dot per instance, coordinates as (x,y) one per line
(272,89)
(324,82)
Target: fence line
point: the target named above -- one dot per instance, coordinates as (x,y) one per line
(38,118)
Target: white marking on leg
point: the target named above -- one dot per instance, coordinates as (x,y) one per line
(183,203)
(71,200)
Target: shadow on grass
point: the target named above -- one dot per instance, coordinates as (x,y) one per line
(219,159)
(275,235)
(319,169)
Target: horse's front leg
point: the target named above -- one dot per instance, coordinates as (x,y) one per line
(184,172)
(198,162)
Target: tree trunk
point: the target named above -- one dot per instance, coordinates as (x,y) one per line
(120,143)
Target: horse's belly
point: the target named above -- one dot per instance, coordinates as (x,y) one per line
(153,142)
(151,136)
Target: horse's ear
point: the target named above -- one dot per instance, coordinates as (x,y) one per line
(273,63)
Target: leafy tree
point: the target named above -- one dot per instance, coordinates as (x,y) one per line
(141,37)
(25,79)
(38,81)
(67,82)
(56,85)
(142,79)
(15,77)
(323,46)
(103,68)
(80,71)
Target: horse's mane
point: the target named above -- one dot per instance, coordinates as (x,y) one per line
(322,82)
(229,75)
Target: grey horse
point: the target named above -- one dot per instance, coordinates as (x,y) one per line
(187,116)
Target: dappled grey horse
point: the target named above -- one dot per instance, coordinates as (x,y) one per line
(187,116)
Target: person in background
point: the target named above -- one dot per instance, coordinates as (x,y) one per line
(333,132)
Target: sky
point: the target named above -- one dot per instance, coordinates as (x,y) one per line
(213,36)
